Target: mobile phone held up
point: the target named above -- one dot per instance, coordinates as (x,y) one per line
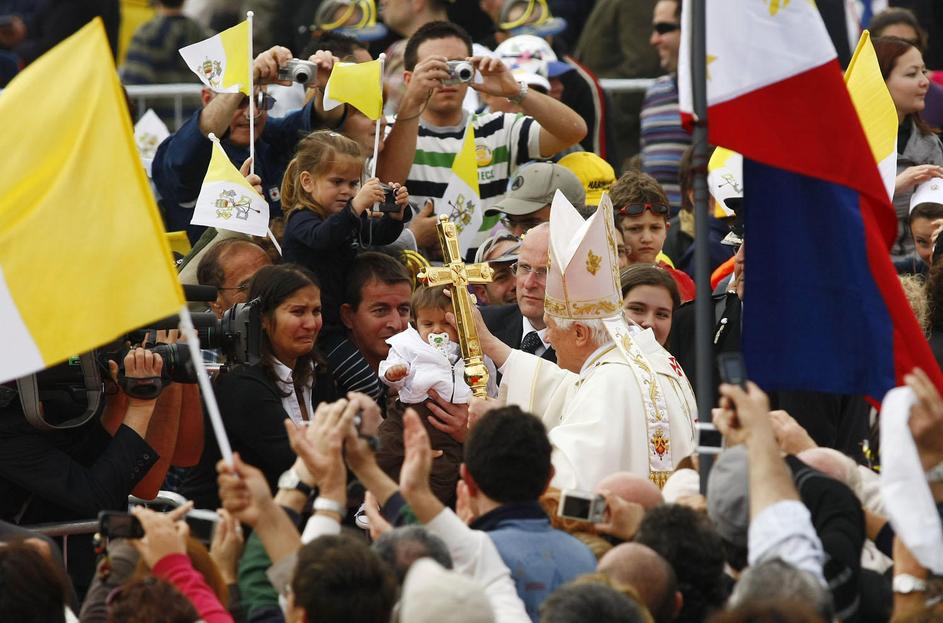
(119,525)
(732,370)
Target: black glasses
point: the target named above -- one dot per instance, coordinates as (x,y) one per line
(634,209)
(663,28)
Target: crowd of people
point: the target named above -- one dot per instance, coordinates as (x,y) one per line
(376,475)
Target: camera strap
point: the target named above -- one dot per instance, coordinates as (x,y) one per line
(28,388)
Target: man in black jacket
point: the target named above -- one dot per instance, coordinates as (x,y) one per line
(76,472)
(522,325)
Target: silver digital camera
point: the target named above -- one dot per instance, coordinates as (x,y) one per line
(459,72)
(297,70)
(581,506)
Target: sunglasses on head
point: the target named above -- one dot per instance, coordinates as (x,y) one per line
(663,28)
(634,209)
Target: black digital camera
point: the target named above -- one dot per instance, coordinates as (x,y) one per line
(389,199)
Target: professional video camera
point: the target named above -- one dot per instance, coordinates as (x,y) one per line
(236,335)
(67,395)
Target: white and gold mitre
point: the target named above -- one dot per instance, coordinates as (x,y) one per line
(583,275)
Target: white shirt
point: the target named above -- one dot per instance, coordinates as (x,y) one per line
(541,333)
(290,402)
(784,530)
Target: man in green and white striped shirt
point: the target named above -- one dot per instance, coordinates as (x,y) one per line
(428,129)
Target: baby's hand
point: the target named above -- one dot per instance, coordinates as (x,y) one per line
(371,192)
(397,373)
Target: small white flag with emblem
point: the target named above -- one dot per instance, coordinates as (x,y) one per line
(227,200)
(149,132)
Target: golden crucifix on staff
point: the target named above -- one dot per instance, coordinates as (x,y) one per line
(458,275)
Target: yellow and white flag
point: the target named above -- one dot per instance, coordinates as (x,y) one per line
(83,257)
(227,200)
(875,108)
(222,61)
(461,200)
(358,84)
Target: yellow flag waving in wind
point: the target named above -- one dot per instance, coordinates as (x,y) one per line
(227,200)
(358,84)
(83,258)
(222,61)
(875,108)
(461,199)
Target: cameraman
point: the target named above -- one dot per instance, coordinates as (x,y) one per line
(74,473)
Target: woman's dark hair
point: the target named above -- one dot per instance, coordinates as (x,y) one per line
(272,285)
(650,275)
(895,16)
(149,600)
(888,50)
(32,589)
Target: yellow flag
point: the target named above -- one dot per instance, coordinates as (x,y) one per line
(358,84)
(83,257)
(461,199)
(875,108)
(222,61)
(227,200)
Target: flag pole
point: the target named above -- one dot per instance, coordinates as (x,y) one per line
(271,236)
(206,388)
(703,307)
(249,15)
(376,133)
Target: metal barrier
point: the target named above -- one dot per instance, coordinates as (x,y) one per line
(143,93)
(626,85)
(65,529)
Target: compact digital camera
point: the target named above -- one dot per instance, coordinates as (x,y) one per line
(389,199)
(297,70)
(460,72)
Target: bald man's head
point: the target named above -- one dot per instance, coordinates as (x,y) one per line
(647,572)
(632,488)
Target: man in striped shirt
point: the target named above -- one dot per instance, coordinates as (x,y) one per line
(663,140)
(429,127)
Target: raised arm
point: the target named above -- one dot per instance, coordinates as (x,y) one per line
(560,125)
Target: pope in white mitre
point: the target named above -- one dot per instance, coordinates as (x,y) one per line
(616,400)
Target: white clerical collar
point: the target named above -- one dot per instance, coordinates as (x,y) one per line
(541,333)
(596,355)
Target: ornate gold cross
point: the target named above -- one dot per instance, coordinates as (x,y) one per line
(458,275)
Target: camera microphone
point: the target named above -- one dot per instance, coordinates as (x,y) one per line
(195,294)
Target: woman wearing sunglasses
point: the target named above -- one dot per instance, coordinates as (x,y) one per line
(642,212)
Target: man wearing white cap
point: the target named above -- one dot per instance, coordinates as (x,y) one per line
(616,400)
